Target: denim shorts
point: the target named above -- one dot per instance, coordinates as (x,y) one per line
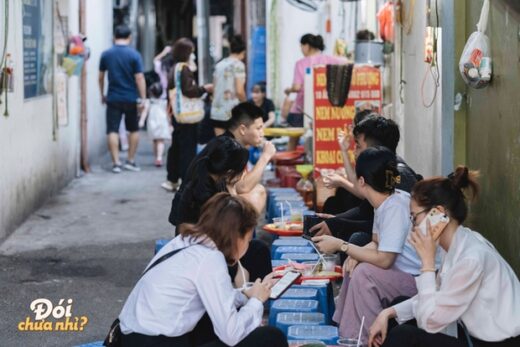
(295,120)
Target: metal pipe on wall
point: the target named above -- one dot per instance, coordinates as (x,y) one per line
(83,90)
(203,58)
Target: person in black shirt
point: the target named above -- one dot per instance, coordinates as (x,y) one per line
(218,168)
(258,98)
(374,130)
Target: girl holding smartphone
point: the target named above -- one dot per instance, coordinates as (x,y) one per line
(474,300)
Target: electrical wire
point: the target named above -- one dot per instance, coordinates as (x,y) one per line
(433,66)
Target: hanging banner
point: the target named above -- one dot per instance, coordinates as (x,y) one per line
(365,93)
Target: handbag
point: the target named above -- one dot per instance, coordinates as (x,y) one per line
(115,336)
(185,110)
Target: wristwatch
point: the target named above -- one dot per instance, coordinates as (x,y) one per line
(344,247)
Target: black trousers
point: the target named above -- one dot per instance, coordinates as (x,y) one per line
(182,150)
(257,261)
(202,336)
(407,335)
(357,219)
(342,201)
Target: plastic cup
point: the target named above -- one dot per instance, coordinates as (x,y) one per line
(330,262)
(348,342)
(297,215)
(278,223)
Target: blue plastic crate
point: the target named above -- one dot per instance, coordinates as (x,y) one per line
(326,333)
(160,244)
(92,344)
(300,293)
(300,257)
(292,249)
(284,320)
(288,305)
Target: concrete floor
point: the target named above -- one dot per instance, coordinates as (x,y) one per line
(89,243)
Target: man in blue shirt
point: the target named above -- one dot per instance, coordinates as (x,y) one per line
(126,94)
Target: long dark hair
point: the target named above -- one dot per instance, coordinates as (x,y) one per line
(224,219)
(450,192)
(220,163)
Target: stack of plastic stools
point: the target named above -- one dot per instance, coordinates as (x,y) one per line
(287,305)
(280,262)
(325,333)
(300,257)
(325,298)
(92,344)
(288,241)
(292,249)
(160,244)
(284,320)
(299,294)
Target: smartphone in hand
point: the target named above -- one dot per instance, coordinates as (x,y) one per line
(438,221)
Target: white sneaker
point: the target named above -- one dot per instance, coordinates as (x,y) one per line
(116,168)
(131,166)
(170,186)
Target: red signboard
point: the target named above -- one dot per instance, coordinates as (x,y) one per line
(365,93)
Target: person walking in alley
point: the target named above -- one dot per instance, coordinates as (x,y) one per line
(158,125)
(184,137)
(229,80)
(126,94)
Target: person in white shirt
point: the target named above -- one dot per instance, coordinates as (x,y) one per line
(169,302)
(475,286)
(387,264)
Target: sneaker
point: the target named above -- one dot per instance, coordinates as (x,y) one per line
(170,186)
(116,168)
(158,162)
(131,166)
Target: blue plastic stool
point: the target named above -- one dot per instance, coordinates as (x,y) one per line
(284,320)
(92,344)
(304,342)
(325,298)
(326,333)
(292,249)
(299,294)
(280,262)
(300,257)
(287,305)
(160,244)
(288,241)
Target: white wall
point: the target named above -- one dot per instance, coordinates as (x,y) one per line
(33,166)
(421,140)
(99,33)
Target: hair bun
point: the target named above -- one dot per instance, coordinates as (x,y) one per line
(460,177)
(318,42)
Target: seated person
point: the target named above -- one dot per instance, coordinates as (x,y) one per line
(168,303)
(259,98)
(475,288)
(246,126)
(387,264)
(217,168)
(343,200)
(372,131)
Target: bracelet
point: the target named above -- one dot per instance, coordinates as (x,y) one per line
(428,269)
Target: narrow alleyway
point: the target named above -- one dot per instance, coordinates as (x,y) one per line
(89,243)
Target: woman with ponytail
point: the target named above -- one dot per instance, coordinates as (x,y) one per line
(474,300)
(312,47)
(383,270)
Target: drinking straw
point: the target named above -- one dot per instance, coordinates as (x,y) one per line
(360,330)
(281,211)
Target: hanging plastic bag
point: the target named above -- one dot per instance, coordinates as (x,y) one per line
(475,62)
(385,16)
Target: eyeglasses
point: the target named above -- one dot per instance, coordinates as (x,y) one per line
(413,216)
